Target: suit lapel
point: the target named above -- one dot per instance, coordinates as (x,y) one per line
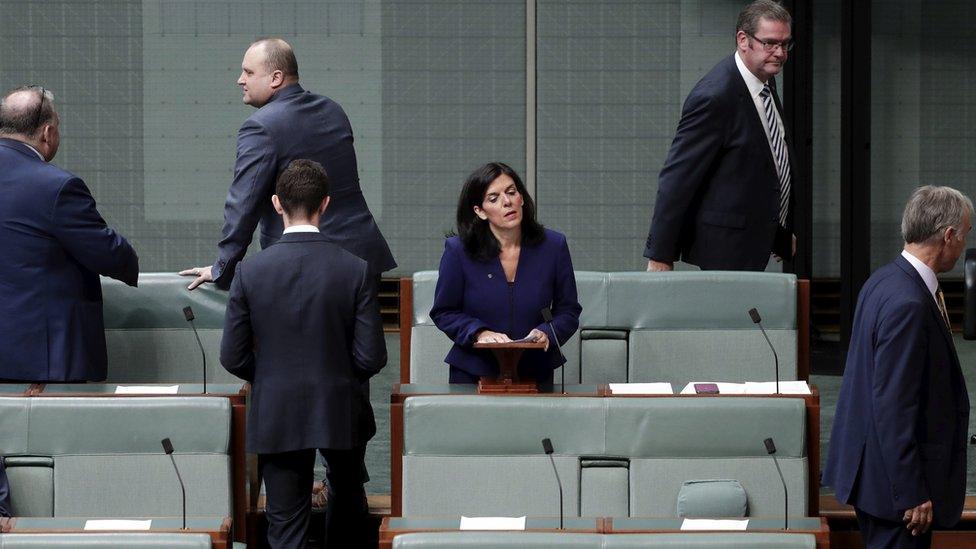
(749,106)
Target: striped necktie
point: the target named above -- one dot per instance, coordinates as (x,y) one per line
(780,153)
(940,299)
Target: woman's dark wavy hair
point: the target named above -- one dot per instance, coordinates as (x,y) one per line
(475,234)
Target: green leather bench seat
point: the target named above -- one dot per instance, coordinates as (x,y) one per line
(475,455)
(148,338)
(643,327)
(106,541)
(90,456)
(540,540)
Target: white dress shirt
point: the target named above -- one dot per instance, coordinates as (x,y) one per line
(301,229)
(755,86)
(37,152)
(926,272)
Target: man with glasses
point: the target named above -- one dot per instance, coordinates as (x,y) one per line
(724,194)
(53,246)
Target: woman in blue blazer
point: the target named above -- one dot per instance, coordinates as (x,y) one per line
(498,274)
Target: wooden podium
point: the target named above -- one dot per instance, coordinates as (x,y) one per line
(508,355)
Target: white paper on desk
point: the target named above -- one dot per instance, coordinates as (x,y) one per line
(147,389)
(492,523)
(711,524)
(723,388)
(785,388)
(116,524)
(641,389)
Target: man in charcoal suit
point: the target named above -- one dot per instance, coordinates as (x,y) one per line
(724,194)
(303,326)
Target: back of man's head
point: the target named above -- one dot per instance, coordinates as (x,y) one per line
(25,110)
(302,187)
(749,17)
(278,56)
(930,211)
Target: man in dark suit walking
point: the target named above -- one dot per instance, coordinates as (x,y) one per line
(290,123)
(898,445)
(723,198)
(53,246)
(303,326)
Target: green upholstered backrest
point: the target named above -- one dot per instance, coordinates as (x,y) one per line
(103,456)
(149,339)
(502,540)
(106,540)
(482,455)
(642,327)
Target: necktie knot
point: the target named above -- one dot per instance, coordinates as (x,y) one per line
(766,92)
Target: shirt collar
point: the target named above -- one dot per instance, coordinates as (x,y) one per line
(926,272)
(754,84)
(37,152)
(301,229)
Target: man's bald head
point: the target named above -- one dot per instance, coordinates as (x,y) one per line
(24,111)
(278,56)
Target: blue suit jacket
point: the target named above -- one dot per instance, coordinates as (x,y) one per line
(718,194)
(53,246)
(471,296)
(899,434)
(297,124)
(303,326)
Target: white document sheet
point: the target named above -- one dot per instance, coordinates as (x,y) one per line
(723,388)
(492,523)
(641,389)
(147,389)
(711,524)
(116,524)
(785,388)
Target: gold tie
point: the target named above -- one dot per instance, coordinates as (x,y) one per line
(940,299)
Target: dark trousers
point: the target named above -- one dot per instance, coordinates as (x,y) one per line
(288,486)
(879,533)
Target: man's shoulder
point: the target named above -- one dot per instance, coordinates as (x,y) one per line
(277,255)
(280,112)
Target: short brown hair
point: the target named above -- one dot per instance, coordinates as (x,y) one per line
(302,187)
(278,56)
(761,9)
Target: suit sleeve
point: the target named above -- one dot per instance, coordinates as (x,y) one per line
(368,344)
(696,144)
(254,177)
(448,309)
(83,233)
(237,344)
(565,304)
(900,359)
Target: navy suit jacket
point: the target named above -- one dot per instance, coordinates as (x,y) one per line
(473,295)
(5,508)
(297,124)
(718,194)
(53,246)
(303,326)
(899,434)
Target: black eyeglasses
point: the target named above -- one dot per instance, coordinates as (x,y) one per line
(40,107)
(770,45)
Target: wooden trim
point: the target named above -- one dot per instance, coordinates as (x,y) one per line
(396,456)
(238,459)
(219,539)
(803,330)
(406,326)
(34,389)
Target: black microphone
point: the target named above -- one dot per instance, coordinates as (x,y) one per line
(771,450)
(188,313)
(754,315)
(547,317)
(547,448)
(168,448)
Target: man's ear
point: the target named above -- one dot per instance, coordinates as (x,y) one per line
(277,79)
(277,204)
(323,205)
(742,40)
